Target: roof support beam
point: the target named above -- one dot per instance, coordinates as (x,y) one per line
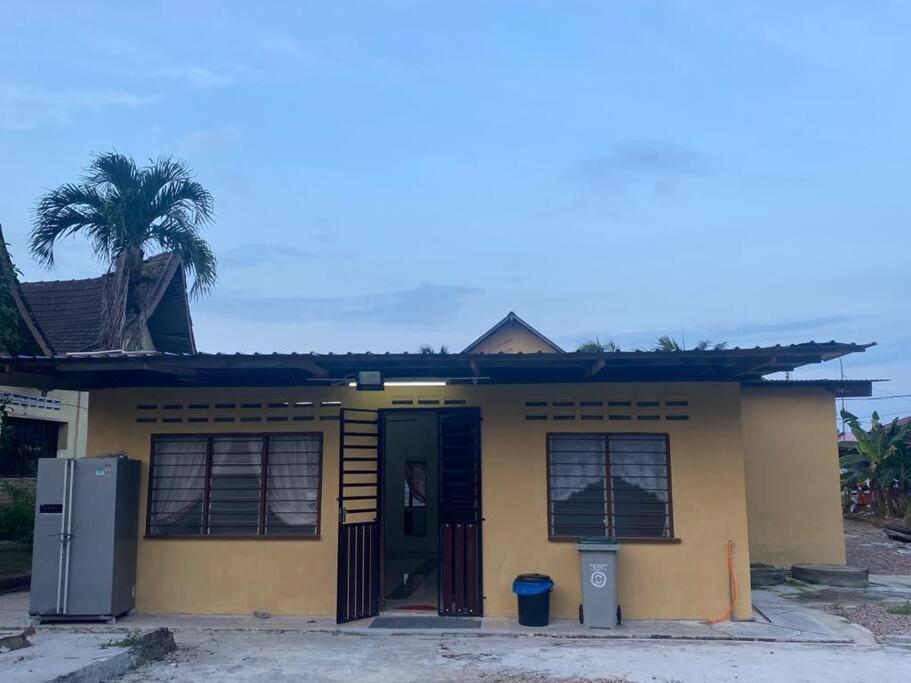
(595,367)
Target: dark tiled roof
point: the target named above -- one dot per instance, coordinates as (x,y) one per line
(69,312)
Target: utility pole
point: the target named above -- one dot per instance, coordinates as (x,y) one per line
(841,366)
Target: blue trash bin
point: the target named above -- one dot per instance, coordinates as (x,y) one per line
(533,594)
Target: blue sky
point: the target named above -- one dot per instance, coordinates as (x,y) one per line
(389,174)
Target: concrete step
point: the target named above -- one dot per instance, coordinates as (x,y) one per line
(832,575)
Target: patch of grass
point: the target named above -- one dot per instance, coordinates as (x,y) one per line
(900,609)
(15,560)
(131,639)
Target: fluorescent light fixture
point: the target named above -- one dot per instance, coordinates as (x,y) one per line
(393,383)
(429,383)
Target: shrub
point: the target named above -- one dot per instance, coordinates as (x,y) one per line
(17,517)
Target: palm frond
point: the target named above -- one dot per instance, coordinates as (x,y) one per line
(667,343)
(65,211)
(113,170)
(590,347)
(176,233)
(168,185)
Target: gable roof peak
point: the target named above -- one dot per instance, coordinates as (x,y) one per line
(497,339)
(27,319)
(73,316)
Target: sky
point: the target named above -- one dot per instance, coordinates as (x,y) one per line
(392,174)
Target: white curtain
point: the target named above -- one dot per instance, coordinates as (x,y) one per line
(577,464)
(293,491)
(180,477)
(639,480)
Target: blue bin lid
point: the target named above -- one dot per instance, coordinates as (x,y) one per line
(532,584)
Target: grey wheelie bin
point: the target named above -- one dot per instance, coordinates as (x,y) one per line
(598,562)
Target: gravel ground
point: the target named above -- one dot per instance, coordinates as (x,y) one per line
(875,618)
(868,546)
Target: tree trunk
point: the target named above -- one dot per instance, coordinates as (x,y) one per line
(122,316)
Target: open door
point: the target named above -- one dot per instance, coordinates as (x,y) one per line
(460,512)
(359,492)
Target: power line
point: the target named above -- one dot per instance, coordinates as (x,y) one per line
(875,398)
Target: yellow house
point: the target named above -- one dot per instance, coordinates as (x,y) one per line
(356,483)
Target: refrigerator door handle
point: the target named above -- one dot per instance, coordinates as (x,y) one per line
(68,537)
(62,537)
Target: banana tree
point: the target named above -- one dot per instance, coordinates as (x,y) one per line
(882,456)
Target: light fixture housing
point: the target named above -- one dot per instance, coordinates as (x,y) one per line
(369,380)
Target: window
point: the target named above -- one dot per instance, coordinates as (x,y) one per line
(614,485)
(25,442)
(235,485)
(415,489)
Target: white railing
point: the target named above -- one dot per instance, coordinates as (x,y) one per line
(24,401)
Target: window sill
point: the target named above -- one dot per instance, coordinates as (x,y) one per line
(228,537)
(636,540)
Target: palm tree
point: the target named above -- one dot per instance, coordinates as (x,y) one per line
(426,349)
(125,210)
(595,346)
(667,343)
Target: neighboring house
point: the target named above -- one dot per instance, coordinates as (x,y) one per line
(71,317)
(280,483)
(512,335)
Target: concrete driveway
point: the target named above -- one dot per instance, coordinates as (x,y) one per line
(788,642)
(294,656)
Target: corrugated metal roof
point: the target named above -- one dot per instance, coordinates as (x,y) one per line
(841,348)
(145,368)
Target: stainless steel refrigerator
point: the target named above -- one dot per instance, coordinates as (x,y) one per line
(84,557)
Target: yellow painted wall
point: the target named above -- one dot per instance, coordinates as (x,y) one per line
(793,495)
(687,579)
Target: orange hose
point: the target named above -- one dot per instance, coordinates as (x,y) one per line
(732,586)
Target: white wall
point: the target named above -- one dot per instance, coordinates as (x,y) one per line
(70,408)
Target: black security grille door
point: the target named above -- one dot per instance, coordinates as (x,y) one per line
(359,493)
(460,513)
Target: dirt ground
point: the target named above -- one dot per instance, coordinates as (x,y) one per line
(868,546)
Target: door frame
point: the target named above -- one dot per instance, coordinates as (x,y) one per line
(476,410)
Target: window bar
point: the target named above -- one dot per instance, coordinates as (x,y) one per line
(263,484)
(204,528)
(608,497)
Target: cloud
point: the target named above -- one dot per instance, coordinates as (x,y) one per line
(421,305)
(23,108)
(661,161)
(211,137)
(205,78)
(254,255)
(805,325)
